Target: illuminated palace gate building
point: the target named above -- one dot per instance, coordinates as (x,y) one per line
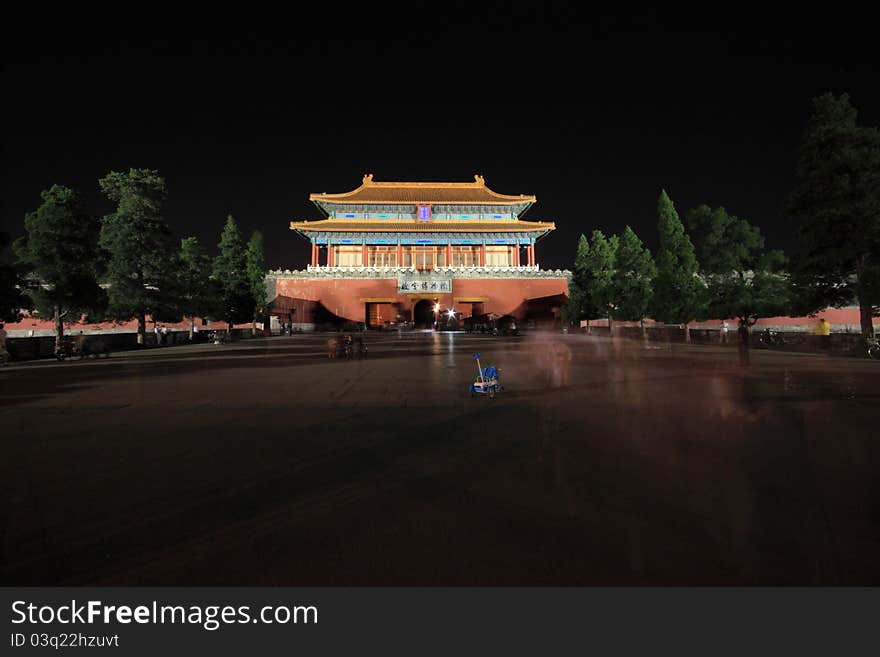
(391,251)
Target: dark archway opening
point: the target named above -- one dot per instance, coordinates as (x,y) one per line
(423,314)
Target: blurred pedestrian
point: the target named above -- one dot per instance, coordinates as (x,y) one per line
(563,360)
(743,344)
(723,330)
(80,342)
(559,361)
(4,355)
(545,359)
(332,346)
(823,329)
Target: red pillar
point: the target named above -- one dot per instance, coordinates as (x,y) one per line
(329,256)
(531,255)
(399,255)
(314,254)
(483,255)
(448,255)
(515,262)
(364,255)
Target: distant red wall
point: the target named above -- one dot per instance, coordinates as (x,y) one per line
(841,319)
(42,324)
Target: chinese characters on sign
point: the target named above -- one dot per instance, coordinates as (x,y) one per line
(424,213)
(417,285)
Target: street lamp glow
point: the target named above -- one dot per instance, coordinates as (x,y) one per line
(451,313)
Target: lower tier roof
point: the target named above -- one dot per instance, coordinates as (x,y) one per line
(394,226)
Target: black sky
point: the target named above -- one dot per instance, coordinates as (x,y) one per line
(249,113)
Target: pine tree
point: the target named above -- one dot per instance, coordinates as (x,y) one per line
(256,269)
(580,306)
(632,283)
(194,272)
(140,266)
(600,263)
(231,275)
(678,292)
(836,201)
(61,258)
(12,300)
(742,279)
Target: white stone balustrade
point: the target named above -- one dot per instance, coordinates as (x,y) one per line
(323,271)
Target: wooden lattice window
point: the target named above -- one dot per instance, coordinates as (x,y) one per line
(499,256)
(465,256)
(382,256)
(349,256)
(424,257)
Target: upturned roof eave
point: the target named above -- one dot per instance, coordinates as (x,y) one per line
(513,200)
(440,189)
(462,226)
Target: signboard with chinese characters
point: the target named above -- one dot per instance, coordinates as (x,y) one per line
(415,284)
(424,213)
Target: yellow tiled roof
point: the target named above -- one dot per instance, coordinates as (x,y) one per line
(450,193)
(413,226)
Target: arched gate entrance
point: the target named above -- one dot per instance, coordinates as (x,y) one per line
(423,314)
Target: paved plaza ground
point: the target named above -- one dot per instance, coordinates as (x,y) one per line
(265,463)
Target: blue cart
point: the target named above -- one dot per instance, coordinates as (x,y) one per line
(489,382)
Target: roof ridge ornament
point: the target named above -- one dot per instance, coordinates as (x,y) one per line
(372,192)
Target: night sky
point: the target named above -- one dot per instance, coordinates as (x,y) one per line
(247,114)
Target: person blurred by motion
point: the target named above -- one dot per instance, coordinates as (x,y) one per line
(4,355)
(80,342)
(557,362)
(563,361)
(332,345)
(823,329)
(743,344)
